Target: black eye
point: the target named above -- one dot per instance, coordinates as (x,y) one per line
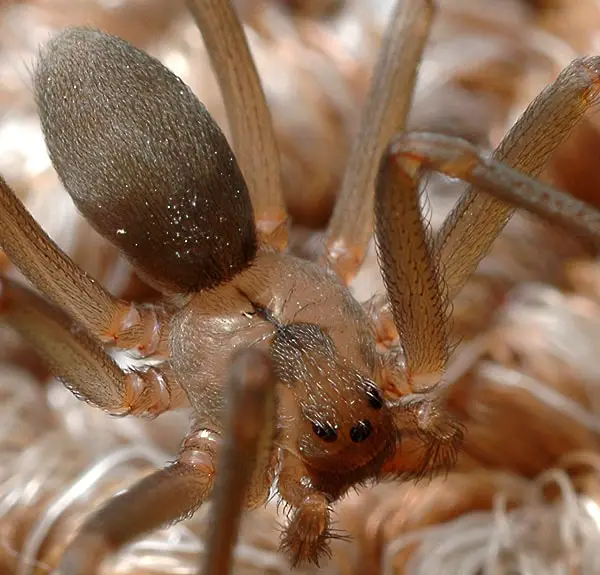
(361,431)
(375,399)
(325,432)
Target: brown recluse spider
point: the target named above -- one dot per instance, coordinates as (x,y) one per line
(143,161)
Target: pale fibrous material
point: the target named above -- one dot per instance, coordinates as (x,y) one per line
(536,539)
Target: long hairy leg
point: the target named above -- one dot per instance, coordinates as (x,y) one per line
(248,114)
(80,361)
(51,271)
(163,497)
(477,219)
(386,109)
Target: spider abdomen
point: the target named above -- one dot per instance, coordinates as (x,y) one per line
(144,161)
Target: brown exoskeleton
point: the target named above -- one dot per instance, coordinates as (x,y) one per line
(146,164)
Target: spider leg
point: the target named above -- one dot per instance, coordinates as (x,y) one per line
(419,307)
(79,359)
(244,462)
(414,152)
(413,282)
(175,492)
(163,497)
(412,274)
(51,271)
(477,219)
(386,109)
(248,114)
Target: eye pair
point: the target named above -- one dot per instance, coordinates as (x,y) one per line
(358,433)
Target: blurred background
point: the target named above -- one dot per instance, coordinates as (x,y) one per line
(525,495)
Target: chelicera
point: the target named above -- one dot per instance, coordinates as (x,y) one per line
(313,403)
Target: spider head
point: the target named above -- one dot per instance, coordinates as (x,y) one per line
(347,439)
(339,424)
